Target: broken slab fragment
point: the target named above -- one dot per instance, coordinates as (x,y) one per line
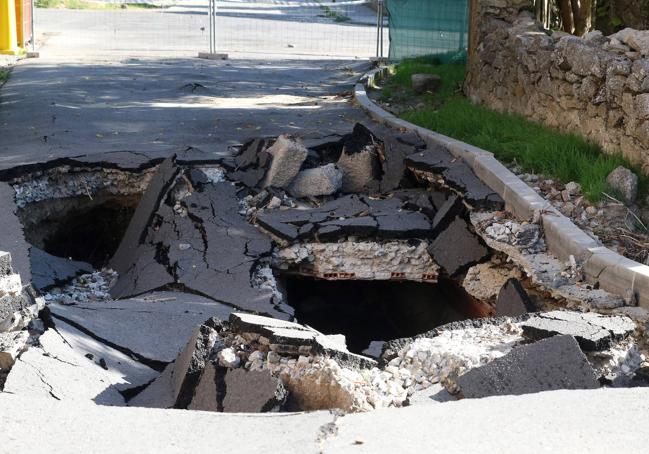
(18,309)
(293,335)
(456,174)
(176,386)
(546,365)
(254,391)
(288,154)
(456,248)
(153,327)
(360,162)
(319,181)
(68,365)
(49,271)
(513,300)
(360,216)
(592,331)
(190,234)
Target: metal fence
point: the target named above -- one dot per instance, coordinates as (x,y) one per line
(241,28)
(253,28)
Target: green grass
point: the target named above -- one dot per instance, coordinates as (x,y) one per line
(331,14)
(512,138)
(4,76)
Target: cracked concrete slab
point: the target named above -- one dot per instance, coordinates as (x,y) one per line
(593,331)
(154,326)
(69,365)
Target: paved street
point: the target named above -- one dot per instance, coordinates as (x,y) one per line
(128,80)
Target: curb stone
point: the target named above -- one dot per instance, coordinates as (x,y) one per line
(615,273)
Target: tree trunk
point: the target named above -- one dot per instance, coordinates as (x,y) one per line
(567,23)
(582,12)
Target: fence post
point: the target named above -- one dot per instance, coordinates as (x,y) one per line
(474,24)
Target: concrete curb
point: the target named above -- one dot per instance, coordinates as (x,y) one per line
(615,273)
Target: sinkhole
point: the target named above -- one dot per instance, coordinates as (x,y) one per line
(380,310)
(83,228)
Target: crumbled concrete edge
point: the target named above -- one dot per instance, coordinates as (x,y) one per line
(614,273)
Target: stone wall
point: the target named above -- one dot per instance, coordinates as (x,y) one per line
(597,86)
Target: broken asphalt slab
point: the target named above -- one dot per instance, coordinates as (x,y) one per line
(592,331)
(513,300)
(190,234)
(348,215)
(546,365)
(294,334)
(69,365)
(49,271)
(153,326)
(457,175)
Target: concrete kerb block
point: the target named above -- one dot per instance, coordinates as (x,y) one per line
(522,200)
(565,239)
(641,284)
(599,259)
(466,151)
(618,277)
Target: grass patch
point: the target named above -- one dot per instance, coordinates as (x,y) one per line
(512,138)
(4,76)
(332,14)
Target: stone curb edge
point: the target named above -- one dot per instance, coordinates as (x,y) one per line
(615,273)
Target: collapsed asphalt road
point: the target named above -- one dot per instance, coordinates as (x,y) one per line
(205,237)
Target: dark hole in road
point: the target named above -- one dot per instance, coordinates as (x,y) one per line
(80,228)
(374,310)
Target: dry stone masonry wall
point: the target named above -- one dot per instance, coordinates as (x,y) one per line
(596,86)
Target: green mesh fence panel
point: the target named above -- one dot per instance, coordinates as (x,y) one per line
(428,27)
